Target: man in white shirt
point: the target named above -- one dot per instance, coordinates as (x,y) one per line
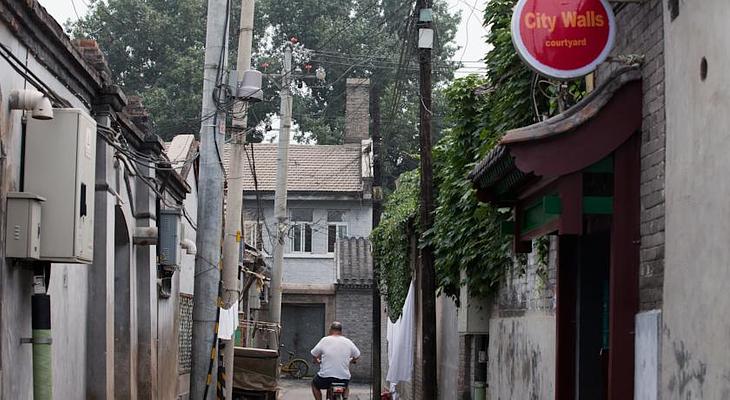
(334,353)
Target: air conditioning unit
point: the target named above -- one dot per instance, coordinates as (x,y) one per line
(60,163)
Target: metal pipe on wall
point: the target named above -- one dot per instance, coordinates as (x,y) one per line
(41,339)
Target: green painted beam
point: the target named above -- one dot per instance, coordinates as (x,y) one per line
(604,166)
(537,215)
(552,205)
(602,205)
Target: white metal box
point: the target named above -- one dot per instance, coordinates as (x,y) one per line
(23,226)
(60,161)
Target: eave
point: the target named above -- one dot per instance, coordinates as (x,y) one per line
(564,144)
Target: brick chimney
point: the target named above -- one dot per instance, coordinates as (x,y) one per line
(357,110)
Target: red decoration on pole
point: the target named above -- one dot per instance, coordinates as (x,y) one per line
(563,39)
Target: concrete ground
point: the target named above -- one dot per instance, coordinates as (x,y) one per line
(292,389)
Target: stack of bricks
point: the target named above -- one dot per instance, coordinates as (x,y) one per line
(92,54)
(641,32)
(138,113)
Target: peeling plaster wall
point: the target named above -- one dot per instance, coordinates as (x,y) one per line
(522,357)
(696,331)
(522,333)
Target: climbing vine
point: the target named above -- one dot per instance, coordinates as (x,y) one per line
(391,241)
(466,236)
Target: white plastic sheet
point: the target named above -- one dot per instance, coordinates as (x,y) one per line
(228,322)
(401,336)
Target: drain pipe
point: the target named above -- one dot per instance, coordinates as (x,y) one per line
(480,369)
(41,322)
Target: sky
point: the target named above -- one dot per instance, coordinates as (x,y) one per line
(470,36)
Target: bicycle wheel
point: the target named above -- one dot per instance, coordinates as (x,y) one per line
(298,369)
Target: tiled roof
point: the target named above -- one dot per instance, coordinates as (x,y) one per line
(354,262)
(312,168)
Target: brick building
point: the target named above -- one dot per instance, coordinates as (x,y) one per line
(327,263)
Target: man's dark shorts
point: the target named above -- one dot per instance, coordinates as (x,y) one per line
(322,383)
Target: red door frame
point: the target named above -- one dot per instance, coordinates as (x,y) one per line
(624,288)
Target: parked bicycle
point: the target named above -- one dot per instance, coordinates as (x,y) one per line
(295,367)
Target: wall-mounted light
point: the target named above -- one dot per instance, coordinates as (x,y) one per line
(31,100)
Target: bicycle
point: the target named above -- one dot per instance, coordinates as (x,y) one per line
(337,391)
(296,368)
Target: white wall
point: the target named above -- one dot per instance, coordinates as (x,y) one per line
(522,357)
(68,285)
(319,266)
(447,338)
(696,331)
(187,264)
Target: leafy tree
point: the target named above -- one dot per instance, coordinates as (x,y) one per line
(155,48)
(466,235)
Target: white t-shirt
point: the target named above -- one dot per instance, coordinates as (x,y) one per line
(336,352)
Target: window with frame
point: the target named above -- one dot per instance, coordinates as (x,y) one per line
(300,235)
(251,233)
(336,228)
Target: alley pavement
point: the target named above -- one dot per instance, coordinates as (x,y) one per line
(300,390)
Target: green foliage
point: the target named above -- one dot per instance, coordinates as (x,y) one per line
(391,241)
(352,39)
(466,233)
(155,49)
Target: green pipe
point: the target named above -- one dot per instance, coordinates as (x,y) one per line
(480,391)
(42,370)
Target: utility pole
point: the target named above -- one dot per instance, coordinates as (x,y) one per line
(232,231)
(282,167)
(428,273)
(210,208)
(377,210)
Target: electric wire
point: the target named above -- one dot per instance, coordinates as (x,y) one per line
(23,70)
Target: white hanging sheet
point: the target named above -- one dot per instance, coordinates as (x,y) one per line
(228,322)
(401,336)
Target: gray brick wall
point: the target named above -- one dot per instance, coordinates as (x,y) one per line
(354,309)
(641,32)
(466,361)
(531,289)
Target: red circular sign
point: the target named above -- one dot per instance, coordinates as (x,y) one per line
(563,38)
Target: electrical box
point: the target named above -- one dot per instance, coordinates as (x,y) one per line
(23,226)
(473,314)
(60,163)
(169,241)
